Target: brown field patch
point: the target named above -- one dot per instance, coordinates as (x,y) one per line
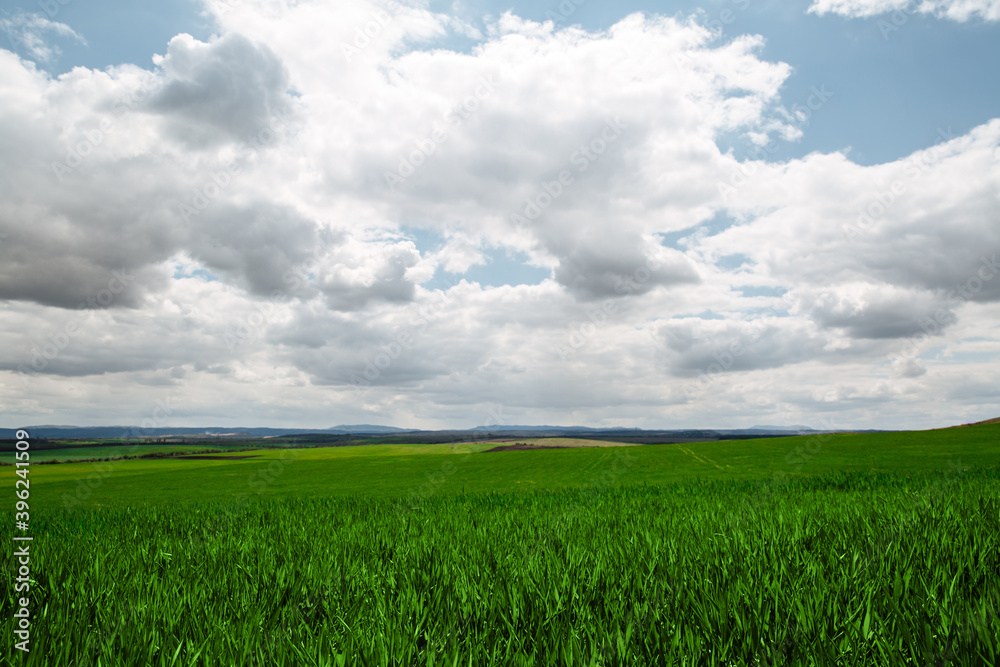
(210,457)
(556,443)
(522,446)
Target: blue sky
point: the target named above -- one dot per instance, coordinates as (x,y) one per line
(811,182)
(895,86)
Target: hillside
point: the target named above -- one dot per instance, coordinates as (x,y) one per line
(995,420)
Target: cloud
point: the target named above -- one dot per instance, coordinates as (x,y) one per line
(955,10)
(273,273)
(908,368)
(922,223)
(871,310)
(693,347)
(595,270)
(229,89)
(257,246)
(359,273)
(26,32)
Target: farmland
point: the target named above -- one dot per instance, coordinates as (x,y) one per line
(847,549)
(115,451)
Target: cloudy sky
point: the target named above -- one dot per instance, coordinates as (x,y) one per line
(434,215)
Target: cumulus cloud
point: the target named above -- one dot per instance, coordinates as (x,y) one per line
(255,192)
(229,89)
(872,311)
(593,270)
(692,347)
(924,222)
(360,273)
(258,245)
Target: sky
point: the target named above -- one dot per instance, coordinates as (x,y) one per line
(452,214)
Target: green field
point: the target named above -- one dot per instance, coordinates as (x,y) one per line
(117,451)
(851,549)
(396,470)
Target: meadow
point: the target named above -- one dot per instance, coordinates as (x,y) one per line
(105,450)
(849,549)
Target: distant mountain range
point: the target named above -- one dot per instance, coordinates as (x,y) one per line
(781,428)
(625,429)
(346,434)
(92,432)
(510,431)
(369,428)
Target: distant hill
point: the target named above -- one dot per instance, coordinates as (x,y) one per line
(107,432)
(369,428)
(352,431)
(574,429)
(995,420)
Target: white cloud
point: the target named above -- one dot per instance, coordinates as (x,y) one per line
(229,89)
(242,186)
(26,31)
(956,10)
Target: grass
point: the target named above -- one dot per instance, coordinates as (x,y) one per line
(77,453)
(394,470)
(869,549)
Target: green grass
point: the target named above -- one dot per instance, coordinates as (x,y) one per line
(80,453)
(879,549)
(391,470)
